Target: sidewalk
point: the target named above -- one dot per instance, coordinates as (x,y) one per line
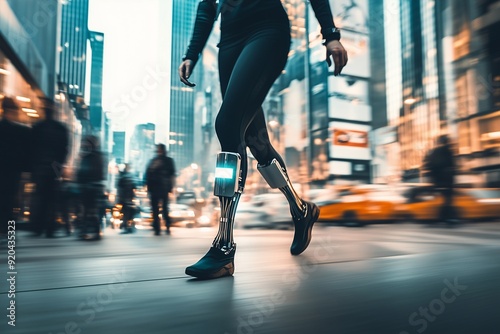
(370,280)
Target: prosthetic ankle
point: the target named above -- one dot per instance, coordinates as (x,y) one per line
(276,177)
(227,188)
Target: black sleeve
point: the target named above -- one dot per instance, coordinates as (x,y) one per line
(65,144)
(203,24)
(324,15)
(102,166)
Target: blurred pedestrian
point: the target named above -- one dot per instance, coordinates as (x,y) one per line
(66,202)
(90,178)
(253,50)
(126,193)
(441,168)
(50,150)
(160,181)
(14,159)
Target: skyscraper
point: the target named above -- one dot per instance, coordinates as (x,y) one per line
(182,98)
(142,147)
(39,19)
(73,47)
(473,76)
(96,113)
(118,152)
(340,117)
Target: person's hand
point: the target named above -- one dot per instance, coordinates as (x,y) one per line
(335,50)
(185,71)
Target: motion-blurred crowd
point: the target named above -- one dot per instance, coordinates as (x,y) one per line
(79,204)
(42,150)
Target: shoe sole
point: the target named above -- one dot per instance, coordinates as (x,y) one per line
(309,231)
(226,270)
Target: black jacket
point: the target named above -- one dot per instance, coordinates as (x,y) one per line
(51,139)
(234,12)
(92,168)
(15,148)
(441,167)
(126,186)
(159,175)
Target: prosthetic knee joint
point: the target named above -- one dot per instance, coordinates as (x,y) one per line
(274,174)
(227,170)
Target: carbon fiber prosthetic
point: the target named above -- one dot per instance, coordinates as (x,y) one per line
(224,239)
(276,177)
(229,189)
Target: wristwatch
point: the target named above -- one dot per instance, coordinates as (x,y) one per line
(331,34)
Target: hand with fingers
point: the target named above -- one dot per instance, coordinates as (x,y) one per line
(336,50)
(185,71)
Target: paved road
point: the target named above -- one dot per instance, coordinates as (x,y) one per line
(394,279)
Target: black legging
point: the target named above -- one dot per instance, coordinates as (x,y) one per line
(248,67)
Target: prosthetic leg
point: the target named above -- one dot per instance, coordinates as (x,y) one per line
(304,214)
(219,261)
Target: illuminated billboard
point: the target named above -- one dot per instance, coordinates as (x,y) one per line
(349,141)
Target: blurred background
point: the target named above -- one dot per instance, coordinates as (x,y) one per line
(356,144)
(417,70)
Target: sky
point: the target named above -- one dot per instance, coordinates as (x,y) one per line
(136,73)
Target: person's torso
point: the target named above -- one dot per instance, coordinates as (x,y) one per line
(14,146)
(91,168)
(159,172)
(50,140)
(242,13)
(126,186)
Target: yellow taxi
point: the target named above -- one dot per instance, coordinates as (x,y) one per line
(424,203)
(359,205)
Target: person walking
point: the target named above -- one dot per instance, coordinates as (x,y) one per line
(126,193)
(50,141)
(90,178)
(15,158)
(160,181)
(441,168)
(253,50)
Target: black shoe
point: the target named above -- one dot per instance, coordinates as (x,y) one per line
(303,229)
(216,263)
(168,231)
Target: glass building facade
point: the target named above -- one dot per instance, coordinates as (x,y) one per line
(442,78)
(182,98)
(96,113)
(73,46)
(475,60)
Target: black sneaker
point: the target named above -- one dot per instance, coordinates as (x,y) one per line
(216,263)
(303,229)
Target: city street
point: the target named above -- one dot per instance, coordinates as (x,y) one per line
(398,279)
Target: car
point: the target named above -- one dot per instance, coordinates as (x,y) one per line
(270,210)
(193,199)
(360,205)
(180,215)
(470,204)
